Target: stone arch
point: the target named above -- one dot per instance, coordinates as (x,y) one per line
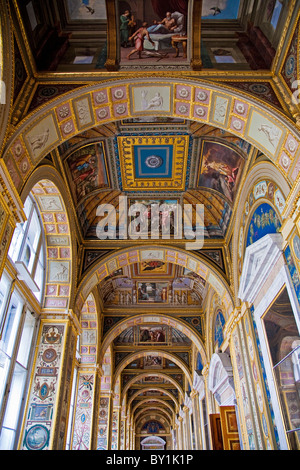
(158,411)
(153,318)
(155,352)
(135,254)
(46,185)
(156,389)
(256,174)
(147,374)
(51,124)
(153,400)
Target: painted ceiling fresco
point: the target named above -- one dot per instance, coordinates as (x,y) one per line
(152,34)
(153,283)
(149,169)
(152,141)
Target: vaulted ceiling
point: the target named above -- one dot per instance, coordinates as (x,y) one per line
(155,159)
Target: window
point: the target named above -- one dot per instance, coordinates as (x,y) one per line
(72,409)
(276,14)
(8,335)
(17,384)
(15,348)
(18,324)
(27,249)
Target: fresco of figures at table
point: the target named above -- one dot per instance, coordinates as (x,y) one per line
(153,31)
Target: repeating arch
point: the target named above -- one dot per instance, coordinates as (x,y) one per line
(155,389)
(158,411)
(152,400)
(135,254)
(152,318)
(148,374)
(155,352)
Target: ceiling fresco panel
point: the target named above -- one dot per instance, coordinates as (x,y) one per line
(87,170)
(154,33)
(220,169)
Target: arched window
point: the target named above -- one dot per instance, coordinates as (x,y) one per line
(18,319)
(27,249)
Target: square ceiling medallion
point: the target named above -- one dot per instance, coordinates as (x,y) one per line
(153,163)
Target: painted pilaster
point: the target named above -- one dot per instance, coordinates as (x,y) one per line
(47,407)
(254,418)
(115,428)
(82,436)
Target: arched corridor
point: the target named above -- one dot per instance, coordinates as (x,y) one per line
(150,224)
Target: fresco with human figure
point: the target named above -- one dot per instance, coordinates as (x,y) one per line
(153,31)
(87,170)
(220,169)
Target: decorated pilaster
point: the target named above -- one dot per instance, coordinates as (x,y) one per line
(254,414)
(47,407)
(115,428)
(82,436)
(105,421)
(123,432)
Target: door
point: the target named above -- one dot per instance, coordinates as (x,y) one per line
(230,433)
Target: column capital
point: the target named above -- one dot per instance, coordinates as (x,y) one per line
(75,322)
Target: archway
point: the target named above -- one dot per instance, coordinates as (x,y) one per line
(144,416)
(154,389)
(49,126)
(155,402)
(47,188)
(155,352)
(149,374)
(135,254)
